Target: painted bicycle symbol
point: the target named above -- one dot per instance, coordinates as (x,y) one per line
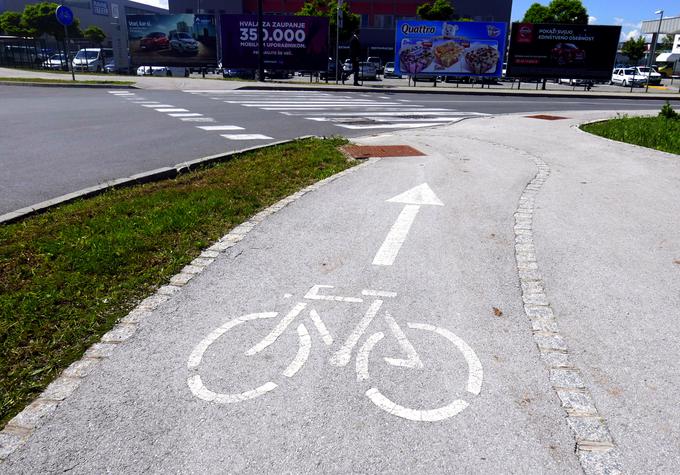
(342,356)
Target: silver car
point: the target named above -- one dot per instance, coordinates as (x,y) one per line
(183,43)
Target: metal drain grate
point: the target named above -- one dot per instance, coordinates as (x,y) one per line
(546,117)
(366,151)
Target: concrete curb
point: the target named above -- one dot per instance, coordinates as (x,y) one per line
(465,91)
(138,179)
(20,428)
(59,84)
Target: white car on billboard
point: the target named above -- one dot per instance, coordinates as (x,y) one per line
(183,43)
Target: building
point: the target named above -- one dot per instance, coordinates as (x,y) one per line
(378,17)
(107,15)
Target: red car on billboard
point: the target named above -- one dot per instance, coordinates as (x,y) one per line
(155,40)
(567,53)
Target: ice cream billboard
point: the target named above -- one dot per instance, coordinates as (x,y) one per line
(562,51)
(450,48)
(172,40)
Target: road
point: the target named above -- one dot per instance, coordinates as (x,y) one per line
(56,141)
(497,305)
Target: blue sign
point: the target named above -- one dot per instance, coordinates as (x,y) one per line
(450,48)
(100,7)
(64,15)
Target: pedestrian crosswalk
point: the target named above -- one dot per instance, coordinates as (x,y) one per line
(346,110)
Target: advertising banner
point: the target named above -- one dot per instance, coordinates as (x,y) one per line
(450,48)
(172,40)
(100,7)
(290,42)
(562,51)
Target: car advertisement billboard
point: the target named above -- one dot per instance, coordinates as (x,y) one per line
(450,48)
(562,51)
(290,42)
(172,40)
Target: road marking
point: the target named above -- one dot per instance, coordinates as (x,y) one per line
(364,352)
(313,294)
(412,199)
(219,127)
(378,293)
(278,330)
(153,106)
(185,114)
(148,102)
(173,109)
(417,415)
(200,391)
(246,137)
(412,359)
(344,354)
(391,126)
(302,354)
(197,119)
(382,111)
(321,327)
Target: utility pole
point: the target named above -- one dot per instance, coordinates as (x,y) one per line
(338,24)
(655,38)
(260,42)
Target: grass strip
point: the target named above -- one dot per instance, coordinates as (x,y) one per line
(67,276)
(658,133)
(67,81)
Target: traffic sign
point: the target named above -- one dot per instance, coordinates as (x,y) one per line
(64,15)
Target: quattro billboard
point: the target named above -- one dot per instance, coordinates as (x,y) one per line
(290,42)
(172,40)
(562,51)
(450,48)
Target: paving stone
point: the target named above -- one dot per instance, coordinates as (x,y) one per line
(101,350)
(168,289)
(566,378)
(9,442)
(30,417)
(137,315)
(181,279)
(81,368)
(556,359)
(202,262)
(209,254)
(544,325)
(589,428)
(154,301)
(601,462)
(542,311)
(119,333)
(61,388)
(576,402)
(552,342)
(538,298)
(192,269)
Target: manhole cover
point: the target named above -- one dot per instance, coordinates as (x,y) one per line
(546,117)
(366,151)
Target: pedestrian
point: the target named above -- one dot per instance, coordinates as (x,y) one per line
(354,54)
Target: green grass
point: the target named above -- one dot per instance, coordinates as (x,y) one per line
(67,81)
(652,132)
(66,276)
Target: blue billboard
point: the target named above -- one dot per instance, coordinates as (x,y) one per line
(450,48)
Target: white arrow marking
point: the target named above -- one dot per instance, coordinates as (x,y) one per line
(413,199)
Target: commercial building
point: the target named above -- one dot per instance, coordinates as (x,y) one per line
(378,17)
(107,15)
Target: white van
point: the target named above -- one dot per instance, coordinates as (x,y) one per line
(90,59)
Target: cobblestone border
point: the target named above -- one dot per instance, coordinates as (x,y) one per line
(19,429)
(595,447)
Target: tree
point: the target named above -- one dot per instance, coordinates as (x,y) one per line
(11,24)
(40,18)
(537,13)
(436,10)
(558,11)
(329,8)
(568,11)
(666,43)
(634,49)
(96,35)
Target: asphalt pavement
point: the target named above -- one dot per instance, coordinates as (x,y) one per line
(505,303)
(58,141)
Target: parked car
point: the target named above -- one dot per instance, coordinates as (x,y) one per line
(567,53)
(110,66)
(654,78)
(154,40)
(389,71)
(90,59)
(56,61)
(367,71)
(332,66)
(377,62)
(238,73)
(574,81)
(183,43)
(627,77)
(347,66)
(162,71)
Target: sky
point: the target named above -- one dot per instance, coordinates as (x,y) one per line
(627,13)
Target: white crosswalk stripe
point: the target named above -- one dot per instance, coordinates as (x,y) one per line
(345,110)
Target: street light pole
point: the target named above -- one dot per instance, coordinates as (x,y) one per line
(260,42)
(655,38)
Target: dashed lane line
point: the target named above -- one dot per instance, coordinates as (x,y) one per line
(246,137)
(219,127)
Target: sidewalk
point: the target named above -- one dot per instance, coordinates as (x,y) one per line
(217,83)
(533,275)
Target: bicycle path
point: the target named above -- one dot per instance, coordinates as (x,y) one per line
(446,275)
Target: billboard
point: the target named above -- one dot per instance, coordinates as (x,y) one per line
(562,51)
(290,42)
(172,40)
(100,7)
(450,48)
